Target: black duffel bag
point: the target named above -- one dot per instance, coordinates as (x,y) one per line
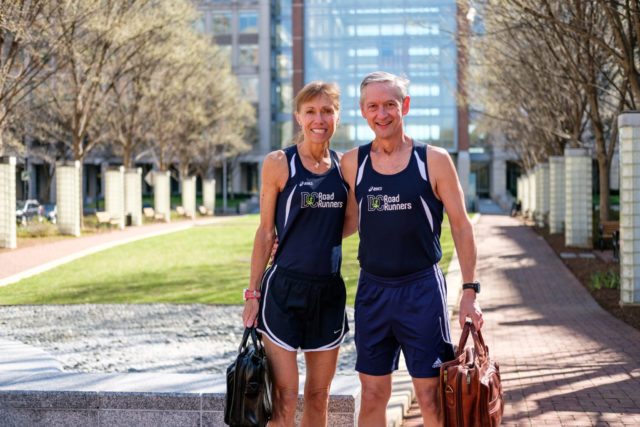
(248,401)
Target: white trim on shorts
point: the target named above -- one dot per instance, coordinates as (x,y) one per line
(272,337)
(277,341)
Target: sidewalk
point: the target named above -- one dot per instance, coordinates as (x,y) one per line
(564,360)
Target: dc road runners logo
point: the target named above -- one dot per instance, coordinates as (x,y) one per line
(382,202)
(319,200)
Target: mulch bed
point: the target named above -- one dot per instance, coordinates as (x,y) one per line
(583,268)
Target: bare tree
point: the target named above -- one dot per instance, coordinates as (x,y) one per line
(561,79)
(26,56)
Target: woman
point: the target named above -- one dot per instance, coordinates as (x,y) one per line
(299,302)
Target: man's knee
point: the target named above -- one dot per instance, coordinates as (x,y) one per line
(428,399)
(375,394)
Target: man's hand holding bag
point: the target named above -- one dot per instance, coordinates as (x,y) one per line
(470,385)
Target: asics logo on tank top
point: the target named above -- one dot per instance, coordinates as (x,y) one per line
(385,203)
(320,200)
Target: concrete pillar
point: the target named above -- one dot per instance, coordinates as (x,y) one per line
(189,196)
(629,124)
(556,194)
(578,216)
(8,228)
(542,193)
(519,189)
(525,193)
(68,197)
(463,168)
(162,194)
(133,195)
(114,194)
(499,180)
(236,178)
(209,194)
(532,194)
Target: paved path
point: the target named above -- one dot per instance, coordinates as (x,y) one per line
(564,360)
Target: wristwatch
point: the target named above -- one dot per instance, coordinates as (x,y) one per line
(249,294)
(473,285)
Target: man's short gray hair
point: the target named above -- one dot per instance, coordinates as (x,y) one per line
(401,84)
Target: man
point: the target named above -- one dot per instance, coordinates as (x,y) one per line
(400,188)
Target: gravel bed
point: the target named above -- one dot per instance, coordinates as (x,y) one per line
(169,338)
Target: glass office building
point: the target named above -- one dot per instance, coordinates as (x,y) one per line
(344,40)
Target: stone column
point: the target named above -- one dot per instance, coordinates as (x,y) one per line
(463,168)
(162,194)
(68,198)
(578,216)
(114,194)
(8,228)
(519,189)
(629,124)
(189,196)
(556,194)
(532,194)
(525,193)
(499,179)
(209,194)
(542,193)
(133,195)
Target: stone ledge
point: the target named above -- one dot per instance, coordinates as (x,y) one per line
(137,399)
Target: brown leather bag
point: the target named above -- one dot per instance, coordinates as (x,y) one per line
(470,385)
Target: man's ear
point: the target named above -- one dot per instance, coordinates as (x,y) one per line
(405,105)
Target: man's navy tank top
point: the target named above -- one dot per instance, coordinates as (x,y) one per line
(400,216)
(309,218)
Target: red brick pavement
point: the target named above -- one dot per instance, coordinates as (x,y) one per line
(564,360)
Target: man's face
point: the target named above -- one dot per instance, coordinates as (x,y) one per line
(383,109)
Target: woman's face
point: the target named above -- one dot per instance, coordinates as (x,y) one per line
(318,119)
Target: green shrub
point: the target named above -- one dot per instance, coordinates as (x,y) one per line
(604,279)
(38,229)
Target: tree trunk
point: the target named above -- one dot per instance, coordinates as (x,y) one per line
(604,167)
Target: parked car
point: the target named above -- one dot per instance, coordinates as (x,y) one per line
(27,210)
(51,213)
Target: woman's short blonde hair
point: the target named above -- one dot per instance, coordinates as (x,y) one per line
(315,89)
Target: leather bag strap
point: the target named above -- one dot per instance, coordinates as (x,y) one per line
(478,341)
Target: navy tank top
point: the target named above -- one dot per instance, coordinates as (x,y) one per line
(400,217)
(309,218)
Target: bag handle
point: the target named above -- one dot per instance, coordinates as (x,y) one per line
(478,341)
(257,342)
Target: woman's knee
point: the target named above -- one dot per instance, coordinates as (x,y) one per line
(317,399)
(286,400)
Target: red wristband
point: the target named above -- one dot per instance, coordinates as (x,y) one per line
(249,294)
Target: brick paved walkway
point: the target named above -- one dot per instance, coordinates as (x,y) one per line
(564,360)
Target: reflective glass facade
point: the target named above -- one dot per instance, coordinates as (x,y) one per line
(344,40)
(281,71)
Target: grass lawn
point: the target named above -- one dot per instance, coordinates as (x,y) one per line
(200,265)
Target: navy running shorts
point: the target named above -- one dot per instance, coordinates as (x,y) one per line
(408,313)
(300,311)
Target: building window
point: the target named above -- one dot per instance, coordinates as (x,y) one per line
(249,88)
(199,25)
(221,23)
(248,55)
(248,23)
